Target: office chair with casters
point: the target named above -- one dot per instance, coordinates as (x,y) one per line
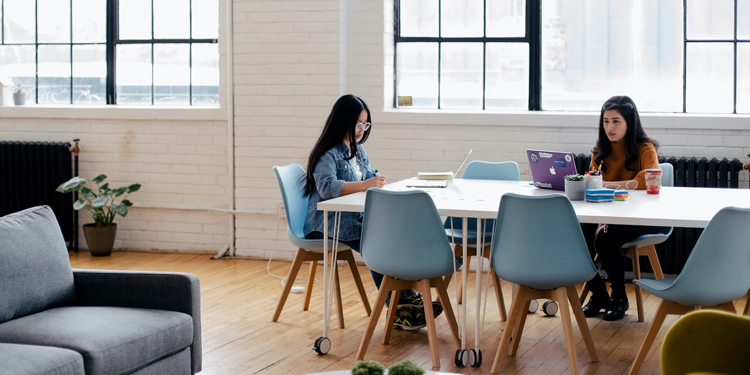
(643,246)
(403,239)
(714,275)
(543,266)
(481,170)
(291,179)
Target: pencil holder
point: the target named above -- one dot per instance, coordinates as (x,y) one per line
(593,182)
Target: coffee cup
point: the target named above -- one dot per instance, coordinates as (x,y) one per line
(653,181)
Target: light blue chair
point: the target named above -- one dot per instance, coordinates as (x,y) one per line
(643,246)
(291,181)
(481,170)
(403,239)
(539,245)
(715,274)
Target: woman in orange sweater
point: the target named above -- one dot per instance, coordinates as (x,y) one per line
(624,152)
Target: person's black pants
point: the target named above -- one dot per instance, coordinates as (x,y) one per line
(608,246)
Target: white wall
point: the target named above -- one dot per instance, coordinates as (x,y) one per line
(292,59)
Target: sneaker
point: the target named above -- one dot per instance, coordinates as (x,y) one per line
(406,319)
(437,309)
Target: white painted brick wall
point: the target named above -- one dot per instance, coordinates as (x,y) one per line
(292,61)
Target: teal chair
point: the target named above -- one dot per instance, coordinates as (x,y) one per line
(715,274)
(539,245)
(291,178)
(481,170)
(643,246)
(403,239)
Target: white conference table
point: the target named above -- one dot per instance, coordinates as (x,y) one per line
(480,199)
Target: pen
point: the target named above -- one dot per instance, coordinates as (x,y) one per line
(377,174)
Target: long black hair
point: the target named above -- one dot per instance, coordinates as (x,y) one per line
(341,124)
(634,136)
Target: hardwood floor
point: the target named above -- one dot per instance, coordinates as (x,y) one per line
(238,299)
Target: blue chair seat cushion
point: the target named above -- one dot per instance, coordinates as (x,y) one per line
(34,360)
(112,340)
(648,239)
(315,246)
(471,237)
(654,286)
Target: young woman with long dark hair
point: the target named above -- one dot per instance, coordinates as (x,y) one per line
(624,152)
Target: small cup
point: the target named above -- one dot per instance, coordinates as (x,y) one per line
(593,182)
(653,181)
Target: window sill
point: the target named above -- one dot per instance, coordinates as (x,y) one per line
(557,119)
(115,112)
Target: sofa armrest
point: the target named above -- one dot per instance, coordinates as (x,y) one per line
(170,291)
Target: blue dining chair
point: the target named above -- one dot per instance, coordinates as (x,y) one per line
(715,274)
(539,246)
(291,181)
(643,246)
(481,170)
(403,239)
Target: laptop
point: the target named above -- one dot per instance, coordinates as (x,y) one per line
(549,168)
(437,183)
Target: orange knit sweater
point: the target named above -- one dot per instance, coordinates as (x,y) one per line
(615,164)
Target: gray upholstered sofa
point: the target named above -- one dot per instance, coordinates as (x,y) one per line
(55,320)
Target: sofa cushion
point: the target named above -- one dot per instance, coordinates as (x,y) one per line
(112,340)
(35,272)
(39,360)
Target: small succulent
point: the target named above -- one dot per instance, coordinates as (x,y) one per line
(574,177)
(407,367)
(368,368)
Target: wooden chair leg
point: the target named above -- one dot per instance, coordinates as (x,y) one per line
(373,321)
(518,330)
(637,276)
(654,260)
(349,257)
(570,342)
(747,306)
(391,316)
(584,293)
(728,307)
(653,330)
(582,324)
(499,295)
(310,284)
(447,308)
(424,285)
(339,303)
(299,258)
(516,310)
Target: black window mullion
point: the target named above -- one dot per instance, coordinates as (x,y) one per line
(190,58)
(484,60)
(112,30)
(2,21)
(36,42)
(396,35)
(734,106)
(440,49)
(153,62)
(534,35)
(684,56)
(71,51)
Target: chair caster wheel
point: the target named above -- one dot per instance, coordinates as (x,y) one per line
(550,308)
(475,358)
(533,306)
(322,345)
(462,358)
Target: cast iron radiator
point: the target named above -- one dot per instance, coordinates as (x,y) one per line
(688,172)
(29,174)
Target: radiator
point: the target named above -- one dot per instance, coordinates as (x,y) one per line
(30,172)
(688,172)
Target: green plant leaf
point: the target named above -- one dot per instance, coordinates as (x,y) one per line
(104,187)
(120,191)
(79,204)
(127,203)
(98,180)
(133,188)
(100,202)
(73,184)
(86,192)
(120,209)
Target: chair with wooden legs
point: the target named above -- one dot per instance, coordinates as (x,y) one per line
(543,266)
(714,275)
(403,239)
(295,206)
(643,246)
(481,170)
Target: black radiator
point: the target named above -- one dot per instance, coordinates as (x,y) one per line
(29,174)
(688,172)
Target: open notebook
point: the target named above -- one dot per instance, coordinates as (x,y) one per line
(440,180)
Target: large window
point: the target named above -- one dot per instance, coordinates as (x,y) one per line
(669,55)
(140,52)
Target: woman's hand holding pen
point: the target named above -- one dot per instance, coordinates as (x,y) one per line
(377,181)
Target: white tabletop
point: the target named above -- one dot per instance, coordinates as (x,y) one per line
(676,207)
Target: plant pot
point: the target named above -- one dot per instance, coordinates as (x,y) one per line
(100,240)
(19,98)
(575,190)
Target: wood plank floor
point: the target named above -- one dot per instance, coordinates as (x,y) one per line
(238,298)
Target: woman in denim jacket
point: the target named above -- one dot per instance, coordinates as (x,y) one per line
(338,165)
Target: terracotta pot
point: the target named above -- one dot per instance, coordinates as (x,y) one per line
(100,240)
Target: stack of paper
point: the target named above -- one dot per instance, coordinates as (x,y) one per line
(435,175)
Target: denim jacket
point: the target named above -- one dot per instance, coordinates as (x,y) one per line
(330,174)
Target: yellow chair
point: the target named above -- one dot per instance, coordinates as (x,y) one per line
(707,342)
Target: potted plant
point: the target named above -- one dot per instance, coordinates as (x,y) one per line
(19,97)
(103,207)
(575,187)
(368,368)
(407,367)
